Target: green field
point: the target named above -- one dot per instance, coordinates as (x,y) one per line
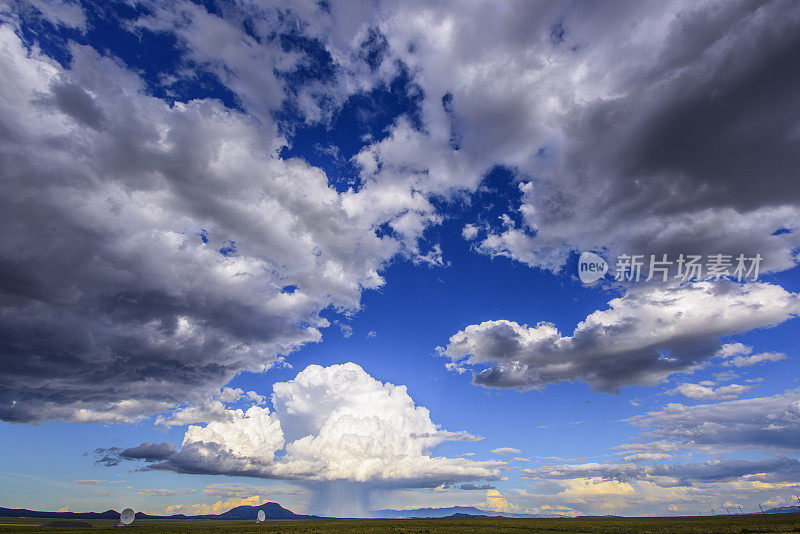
(721,524)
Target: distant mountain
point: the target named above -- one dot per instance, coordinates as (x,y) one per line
(460,515)
(272,510)
(428,512)
(784,510)
(21,512)
(460,511)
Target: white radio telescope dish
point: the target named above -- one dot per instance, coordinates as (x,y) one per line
(261,516)
(127,516)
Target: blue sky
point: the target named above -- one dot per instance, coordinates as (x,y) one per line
(254,253)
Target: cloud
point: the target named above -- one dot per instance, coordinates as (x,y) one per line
(254,433)
(648,156)
(479,487)
(61,13)
(505,450)
(642,457)
(119,301)
(497,502)
(150,452)
(650,477)
(642,496)
(347,330)
(733,349)
(762,423)
(746,361)
(97,482)
(255,398)
(164,492)
(780,468)
(230,394)
(740,355)
(725,376)
(451,436)
(213,508)
(654,447)
(646,335)
(704,392)
(107,456)
(212,410)
(469,232)
(330,424)
(114,260)
(241,491)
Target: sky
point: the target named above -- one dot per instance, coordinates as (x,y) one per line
(534,257)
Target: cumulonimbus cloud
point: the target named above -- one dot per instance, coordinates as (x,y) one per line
(330,424)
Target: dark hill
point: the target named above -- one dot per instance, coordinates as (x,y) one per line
(272,510)
(428,512)
(21,512)
(783,510)
(460,515)
(432,513)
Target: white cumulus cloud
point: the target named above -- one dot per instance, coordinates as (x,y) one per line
(334,423)
(708,392)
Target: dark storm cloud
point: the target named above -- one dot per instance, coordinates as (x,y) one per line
(210,459)
(689,145)
(115,300)
(730,130)
(711,125)
(150,452)
(194,458)
(476,487)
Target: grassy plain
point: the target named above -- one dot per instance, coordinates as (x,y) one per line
(665,525)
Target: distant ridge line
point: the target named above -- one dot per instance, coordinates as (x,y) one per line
(275,511)
(783,510)
(272,510)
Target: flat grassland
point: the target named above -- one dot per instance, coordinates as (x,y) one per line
(664,525)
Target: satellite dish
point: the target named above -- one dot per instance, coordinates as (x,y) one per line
(261,516)
(127,516)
